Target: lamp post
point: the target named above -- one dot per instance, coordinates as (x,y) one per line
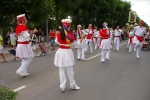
(47,35)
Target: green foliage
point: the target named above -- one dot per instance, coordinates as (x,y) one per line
(7,94)
(115,12)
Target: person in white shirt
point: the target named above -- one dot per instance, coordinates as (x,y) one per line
(80,49)
(64,57)
(13,38)
(117,38)
(130,40)
(105,44)
(88,38)
(23,50)
(111,35)
(138,40)
(96,38)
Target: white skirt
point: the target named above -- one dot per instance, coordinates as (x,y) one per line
(105,44)
(24,51)
(64,58)
(137,42)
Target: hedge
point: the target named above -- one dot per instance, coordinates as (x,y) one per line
(7,94)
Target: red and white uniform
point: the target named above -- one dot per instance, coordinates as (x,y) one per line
(138,39)
(96,38)
(64,52)
(88,38)
(139,35)
(117,38)
(130,40)
(81,48)
(64,58)
(23,50)
(105,44)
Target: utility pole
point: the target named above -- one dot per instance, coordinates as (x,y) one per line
(47,35)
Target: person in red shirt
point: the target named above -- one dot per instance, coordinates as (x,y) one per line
(52,39)
(105,44)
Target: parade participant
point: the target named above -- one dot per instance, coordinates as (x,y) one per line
(96,38)
(117,38)
(89,33)
(81,48)
(139,32)
(111,35)
(105,44)
(130,40)
(23,50)
(64,57)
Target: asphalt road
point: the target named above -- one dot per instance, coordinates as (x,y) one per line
(124,77)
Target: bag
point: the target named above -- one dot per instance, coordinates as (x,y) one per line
(43,48)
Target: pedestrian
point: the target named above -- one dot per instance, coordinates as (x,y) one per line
(105,44)
(64,57)
(81,48)
(138,40)
(117,38)
(41,35)
(23,50)
(8,37)
(88,38)
(33,43)
(122,33)
(1,49)
(13,39)
(52,39)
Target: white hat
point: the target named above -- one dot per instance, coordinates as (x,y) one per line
(79,26)
(20,16)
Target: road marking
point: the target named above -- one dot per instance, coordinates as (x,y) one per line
(93,56)
(19,88)
(100,53)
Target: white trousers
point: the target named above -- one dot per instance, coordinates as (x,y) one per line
(105,54)
(138,49)
(96,42)
(117,43)
(131,46)
(63,79)
(90,44)
(81,53)
(24,65)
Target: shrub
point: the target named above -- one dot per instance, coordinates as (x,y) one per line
(7,94)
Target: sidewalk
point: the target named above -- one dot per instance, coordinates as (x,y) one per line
(5,50)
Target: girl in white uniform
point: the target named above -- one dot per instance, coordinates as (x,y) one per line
(64,57)
(23,50)
(81,48)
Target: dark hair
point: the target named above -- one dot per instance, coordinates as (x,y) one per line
(62,34)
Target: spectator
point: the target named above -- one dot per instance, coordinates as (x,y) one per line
(52,38)
(8,37)
(122,33)
(13,39)
(33,42)
(1,48)
(41,35)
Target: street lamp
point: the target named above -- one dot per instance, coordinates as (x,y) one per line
(47,26)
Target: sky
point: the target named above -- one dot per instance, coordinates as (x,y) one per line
(142,8)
